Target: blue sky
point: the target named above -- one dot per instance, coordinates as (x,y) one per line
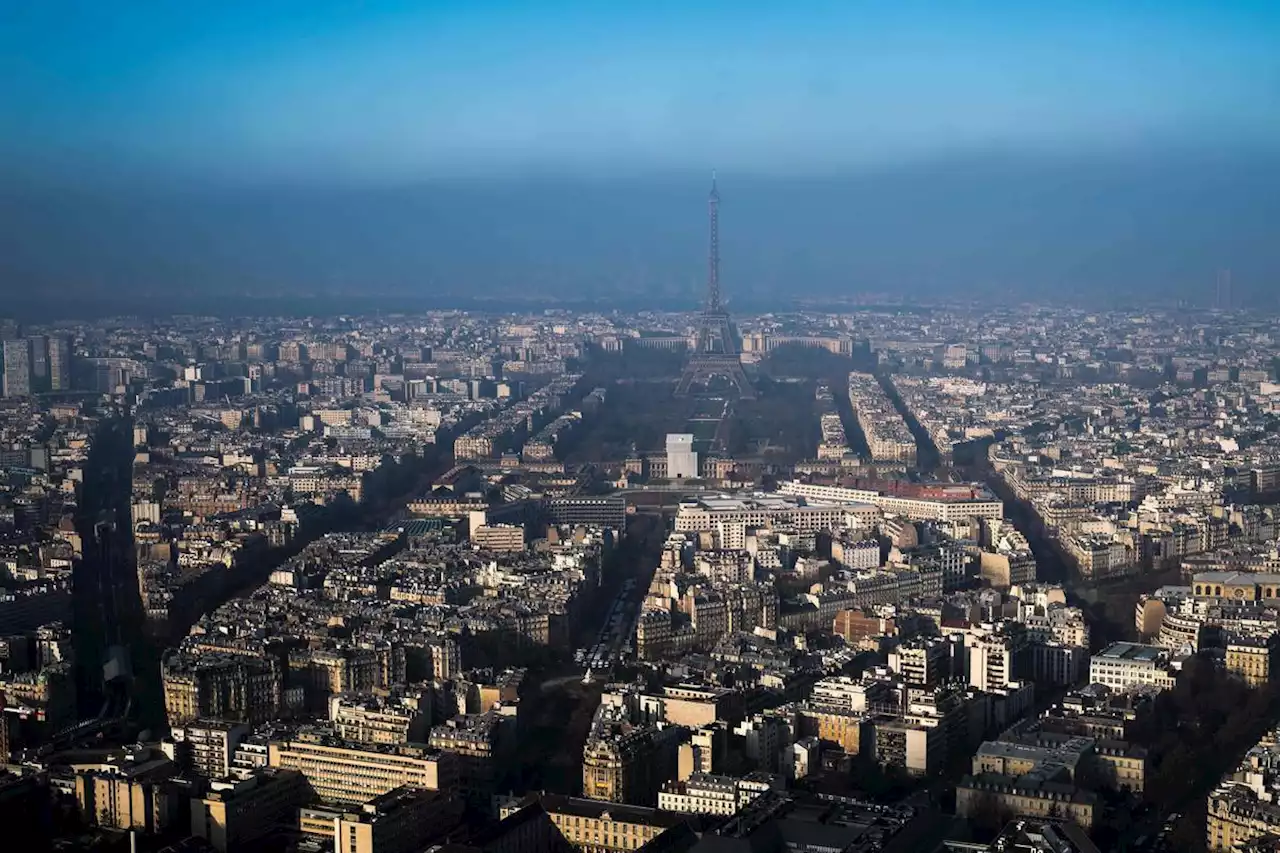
(1094,148)
(353,90)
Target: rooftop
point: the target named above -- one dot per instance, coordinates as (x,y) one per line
(1133,652)
(1231,578)
(558,804)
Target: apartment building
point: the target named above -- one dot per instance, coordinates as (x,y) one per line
(597,827)
(1025,796)
(367,718)
(764,736)
(1236,815)
(997,656)
(498,537)
(209,745)
(344,772)
(1126,666)
(223,686)
(887,435)
(1005,569)
(911,746)
(850,731)
(235,813)
(133,790)
(324,673)
(842,692)
(922,662)
(1121,766)
(702,793)
(626,764)
(404,820)
(704,615)
(708,794)
(1255,659)
(1056,663)
(1100,556)
(475,740)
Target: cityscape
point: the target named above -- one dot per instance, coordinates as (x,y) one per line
(697,428)
(943,579)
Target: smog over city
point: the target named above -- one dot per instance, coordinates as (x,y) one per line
(717,427)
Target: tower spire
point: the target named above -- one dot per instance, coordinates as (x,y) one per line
(716,349)
(713,255)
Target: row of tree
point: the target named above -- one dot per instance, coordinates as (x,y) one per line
(1196,733)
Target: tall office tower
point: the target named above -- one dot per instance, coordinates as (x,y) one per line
(59,364)
(1223,301)
(17,368)
(39,363)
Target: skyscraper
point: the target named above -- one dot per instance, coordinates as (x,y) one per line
(39,363)
(1222,299)
(59,364)
(17,368)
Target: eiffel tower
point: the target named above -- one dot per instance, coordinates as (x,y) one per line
(716,351)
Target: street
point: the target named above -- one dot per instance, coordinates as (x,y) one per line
(563,700)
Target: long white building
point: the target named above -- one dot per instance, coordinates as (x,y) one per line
(730,516)
(976,505)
